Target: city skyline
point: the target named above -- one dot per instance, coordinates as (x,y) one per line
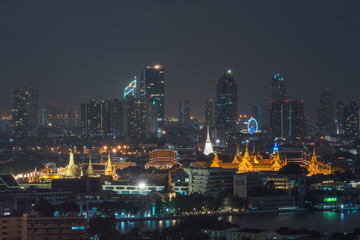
(77,56)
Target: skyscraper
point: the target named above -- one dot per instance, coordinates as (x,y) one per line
(24,110)
(278,88)
(117,118)
(96,118)
(184,111)
(210,112)
(134,121)
(352,119)
(226,103)
(340,117)
(152,94)
(325,115)
(287,119)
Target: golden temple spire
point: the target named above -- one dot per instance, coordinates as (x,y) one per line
(216,162)
(313,158)
(108,167)
(90,170)
(71,168)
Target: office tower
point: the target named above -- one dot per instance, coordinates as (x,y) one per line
(210,112)
(152,94)
(44,117)
(24,104)
(278,88)
(226,103)
(184,112)
(117,122)
(57,114)
(134,120)
(352,120)
(325,115)
(96,118)
(287,119)
(73,117)
(340,117)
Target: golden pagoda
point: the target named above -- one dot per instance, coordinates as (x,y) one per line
(71,168)
(90,170)
(108,167)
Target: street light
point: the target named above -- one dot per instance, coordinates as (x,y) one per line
(142,186)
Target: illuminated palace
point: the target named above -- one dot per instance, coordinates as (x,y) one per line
(256,163)
(73,170)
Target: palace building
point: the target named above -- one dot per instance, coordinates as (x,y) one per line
(315,167)
(162,159)
(256,163)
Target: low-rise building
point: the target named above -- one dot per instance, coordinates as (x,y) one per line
(41,228)
(210,181)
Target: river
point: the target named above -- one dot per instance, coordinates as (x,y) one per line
(326,222)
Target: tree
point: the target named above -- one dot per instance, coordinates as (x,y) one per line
(68,207)
(45,208)
(293,168)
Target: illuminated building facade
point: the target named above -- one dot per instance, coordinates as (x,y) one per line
(226,103)
(24,110)
(152,93)
(96,118)
(162,159)
(278,88)
(184,112)
(210,112)
(287,119)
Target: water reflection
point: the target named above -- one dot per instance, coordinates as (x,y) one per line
(321,221)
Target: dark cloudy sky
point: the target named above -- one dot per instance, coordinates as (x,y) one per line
(91,49)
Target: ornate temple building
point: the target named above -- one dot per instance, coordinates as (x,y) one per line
(315,167)
(256,163)
(162,159)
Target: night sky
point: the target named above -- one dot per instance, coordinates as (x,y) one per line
(80,50)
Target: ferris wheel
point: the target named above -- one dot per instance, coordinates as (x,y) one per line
(252,126)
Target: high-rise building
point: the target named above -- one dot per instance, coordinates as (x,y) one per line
(152,95)
(210,112)
(134,120)
(44,117)
(325,115)
(287,119)
(278,88)
(340,117)
(57,114)
(226,103)
(352,120)
(24,110)
(96,118)
(117,118)
(73,117)
(184,111)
